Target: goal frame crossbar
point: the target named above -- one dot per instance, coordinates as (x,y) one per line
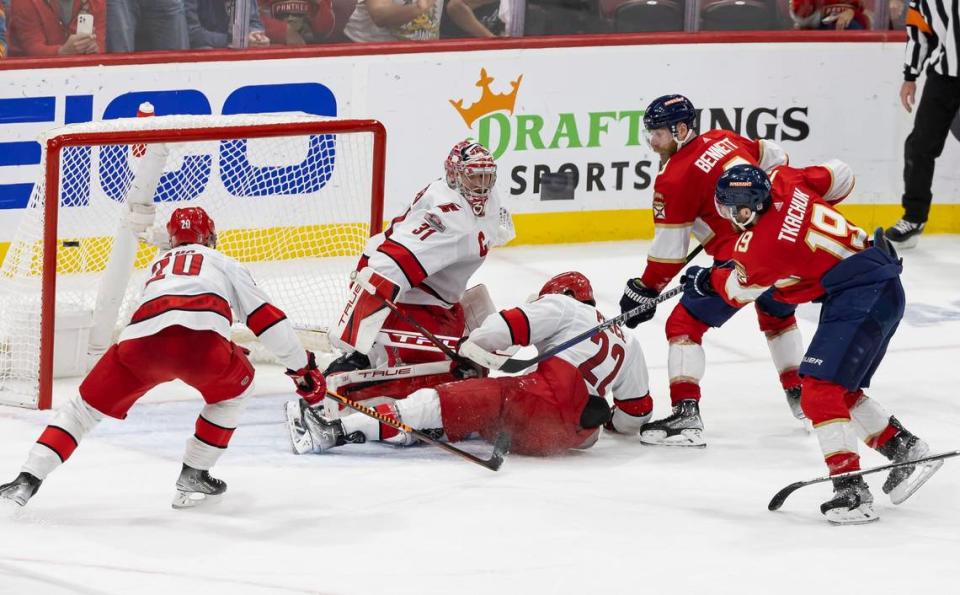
(56,144)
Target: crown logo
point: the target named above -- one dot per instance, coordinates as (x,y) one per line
(489,101)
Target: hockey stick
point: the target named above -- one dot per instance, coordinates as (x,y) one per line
(500,446)
(780,497)
(514,365)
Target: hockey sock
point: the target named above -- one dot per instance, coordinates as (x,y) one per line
(215,426)
(824,404)
(629,415)
(786,346)
(686,364)
(870,420)
(61,437)
(370,427)
(420,410)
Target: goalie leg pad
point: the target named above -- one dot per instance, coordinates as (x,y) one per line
(365,312)
(405,345)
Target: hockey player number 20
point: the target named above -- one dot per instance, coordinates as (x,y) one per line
(184,264)
(833,225)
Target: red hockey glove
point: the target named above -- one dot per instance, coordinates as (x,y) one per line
(311,385)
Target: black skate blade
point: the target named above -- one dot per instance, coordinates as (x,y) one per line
(501,446)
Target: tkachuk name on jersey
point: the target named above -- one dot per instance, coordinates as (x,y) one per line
(794,219)
(714,154)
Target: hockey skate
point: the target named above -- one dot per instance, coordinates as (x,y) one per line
(852,502)
(904,446)
(683,428)
(20,490)
(311,432)
(793,401)
(195,487)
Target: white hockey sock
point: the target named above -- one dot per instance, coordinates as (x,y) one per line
(686,362)
(786,349)
(58,441)
(835,438)
(214,428)
(420,410)
(869,418)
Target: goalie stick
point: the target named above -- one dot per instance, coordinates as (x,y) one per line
(780,497)
(501,444)
(513,365)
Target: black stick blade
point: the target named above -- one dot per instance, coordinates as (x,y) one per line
(780,497)
(501,446)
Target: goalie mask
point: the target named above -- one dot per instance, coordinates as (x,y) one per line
(573,284)
(191,225)
(476,175)
(452,162)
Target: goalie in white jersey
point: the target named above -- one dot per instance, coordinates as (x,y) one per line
(179,330)
(423,263)
(559,406)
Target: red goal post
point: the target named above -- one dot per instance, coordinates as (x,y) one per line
(285,193)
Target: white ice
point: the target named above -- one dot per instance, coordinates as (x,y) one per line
(619,518)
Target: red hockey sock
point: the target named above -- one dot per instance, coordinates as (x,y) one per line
(842,462)
(385,430)
(790,379)
(680,391)
(880,439)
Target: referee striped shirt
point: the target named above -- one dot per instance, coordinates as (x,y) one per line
(933,36)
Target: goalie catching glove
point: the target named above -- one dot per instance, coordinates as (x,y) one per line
(310,383)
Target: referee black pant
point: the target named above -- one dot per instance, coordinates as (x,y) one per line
(938,107)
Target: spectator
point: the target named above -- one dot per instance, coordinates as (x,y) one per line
(3,33)
(897,11)
(297,22)
(392,20)
(471,18)
(829,14)
(210,23)
(146,25)
(37,27)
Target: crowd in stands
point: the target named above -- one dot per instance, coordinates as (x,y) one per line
(69,27)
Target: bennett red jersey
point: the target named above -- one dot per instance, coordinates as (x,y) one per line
(792,245)
(433,249)
(683,200)
(610,360)
(199,288)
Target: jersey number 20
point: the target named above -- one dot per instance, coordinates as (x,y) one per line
(184,264)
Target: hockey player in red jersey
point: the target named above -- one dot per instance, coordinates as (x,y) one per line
(559,406)
(683,205)
(180,329)
(796,243)
(423,263)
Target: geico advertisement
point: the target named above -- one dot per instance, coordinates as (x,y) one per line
(565,124)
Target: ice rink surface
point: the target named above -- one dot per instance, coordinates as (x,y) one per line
(619,518)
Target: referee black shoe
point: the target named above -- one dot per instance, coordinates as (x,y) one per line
(904,234)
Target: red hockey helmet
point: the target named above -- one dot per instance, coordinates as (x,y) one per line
(191,225)
(452,163)
(574,284)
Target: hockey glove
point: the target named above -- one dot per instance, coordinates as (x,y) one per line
(311,385)
(696,282)
(636,295)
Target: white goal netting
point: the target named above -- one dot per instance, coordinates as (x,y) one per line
(295,206)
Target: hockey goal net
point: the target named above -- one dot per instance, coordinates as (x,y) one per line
(293,197)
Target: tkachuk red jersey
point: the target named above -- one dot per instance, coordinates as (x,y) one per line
(683,200)
(199,288)
(792,244)
(610,360)
(433,249)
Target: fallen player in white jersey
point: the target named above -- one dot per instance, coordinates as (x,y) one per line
(559,406)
